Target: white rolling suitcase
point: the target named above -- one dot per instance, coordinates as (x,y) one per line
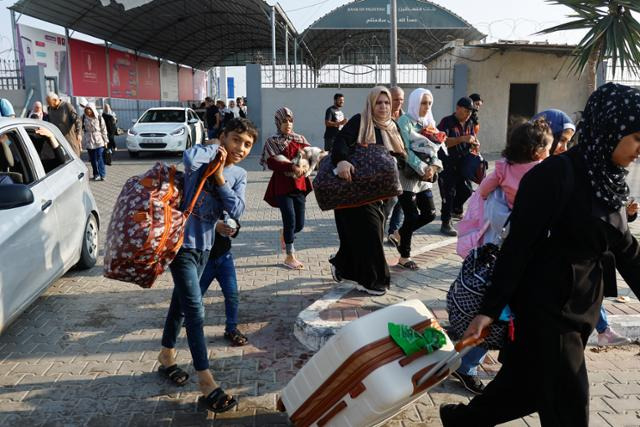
(360,377)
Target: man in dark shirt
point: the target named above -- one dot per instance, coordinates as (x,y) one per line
(334,119)
(212,116)
(454,188)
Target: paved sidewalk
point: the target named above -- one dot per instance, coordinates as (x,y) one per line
(84,354)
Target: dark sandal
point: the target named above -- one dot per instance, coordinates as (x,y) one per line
(218,401)
(178,376)
(236,338)
(409,265)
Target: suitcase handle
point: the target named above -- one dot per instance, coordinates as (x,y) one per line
(471,341)
(440,370)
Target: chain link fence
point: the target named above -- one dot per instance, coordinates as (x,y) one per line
(337,74)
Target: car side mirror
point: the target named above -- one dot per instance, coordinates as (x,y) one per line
(134,121)
(193,121)
(14,196)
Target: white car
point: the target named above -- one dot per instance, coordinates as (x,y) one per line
(48,217)
(165,129)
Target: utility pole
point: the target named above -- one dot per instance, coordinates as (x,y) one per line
(273,45)
(394,44)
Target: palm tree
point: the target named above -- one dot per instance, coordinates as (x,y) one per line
(614,34)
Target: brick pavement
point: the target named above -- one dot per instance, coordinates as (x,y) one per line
(85,352)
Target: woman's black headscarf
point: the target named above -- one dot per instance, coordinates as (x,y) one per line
(612,112)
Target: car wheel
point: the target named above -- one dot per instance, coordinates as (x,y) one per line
(89,253)
(134,154)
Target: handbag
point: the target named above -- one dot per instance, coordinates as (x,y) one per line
(107,156)
(466,295)
(375,178)
(147,226)
(473,167)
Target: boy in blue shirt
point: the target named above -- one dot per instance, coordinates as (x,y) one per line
(223,192)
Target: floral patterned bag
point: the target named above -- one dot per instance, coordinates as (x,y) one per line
(375,178)
(147,226)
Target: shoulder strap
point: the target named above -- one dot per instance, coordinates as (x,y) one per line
(211,169)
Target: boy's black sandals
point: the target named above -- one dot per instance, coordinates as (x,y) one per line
(218,401)
(178,376)
(236,338)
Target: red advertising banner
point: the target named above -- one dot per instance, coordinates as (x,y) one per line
(199,85)
(88,69)
(185,84)
(148,79)
(122,74)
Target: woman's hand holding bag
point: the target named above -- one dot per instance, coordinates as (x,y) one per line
(345,169)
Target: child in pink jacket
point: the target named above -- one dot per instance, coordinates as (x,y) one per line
(527,146)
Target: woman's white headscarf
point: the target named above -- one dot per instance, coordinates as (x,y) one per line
(415,99)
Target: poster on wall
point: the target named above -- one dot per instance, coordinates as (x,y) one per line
(122,74)
(169,82)
(88,69)
(185,83)
(148,79)
(49,50)
(199,85)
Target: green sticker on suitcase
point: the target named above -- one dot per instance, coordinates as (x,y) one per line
(411,341)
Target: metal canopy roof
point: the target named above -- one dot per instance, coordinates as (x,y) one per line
(198,33)
(358,32)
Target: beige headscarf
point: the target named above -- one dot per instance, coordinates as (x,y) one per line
(388,128)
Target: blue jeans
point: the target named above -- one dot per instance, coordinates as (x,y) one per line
(397,218)
(471,361)
(186,304)
(212,133)
(292,207)
(603,322)
(97,161)
(224,271)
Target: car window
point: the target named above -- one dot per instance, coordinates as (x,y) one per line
(14,161)
(51,159)
(163,116)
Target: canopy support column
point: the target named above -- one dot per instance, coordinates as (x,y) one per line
(394,43)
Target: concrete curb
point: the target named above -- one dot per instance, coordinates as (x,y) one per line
(313,332)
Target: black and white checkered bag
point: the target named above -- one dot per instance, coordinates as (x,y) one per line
(466,294)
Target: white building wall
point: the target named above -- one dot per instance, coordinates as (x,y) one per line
(309,105)
(491,76)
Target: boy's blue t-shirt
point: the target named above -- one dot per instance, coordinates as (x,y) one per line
(213,201)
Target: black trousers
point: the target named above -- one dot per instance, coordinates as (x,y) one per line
(419,210)
(361,255)
(454,188)
(328,143)
(542,372)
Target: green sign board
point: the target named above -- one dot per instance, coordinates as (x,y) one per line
(375,15)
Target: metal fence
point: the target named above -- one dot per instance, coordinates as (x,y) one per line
(11,76)
(439,73)
(629,77)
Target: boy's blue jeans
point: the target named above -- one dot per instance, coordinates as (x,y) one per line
(603,321)
(186,304)
(471,361)
(223,270)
